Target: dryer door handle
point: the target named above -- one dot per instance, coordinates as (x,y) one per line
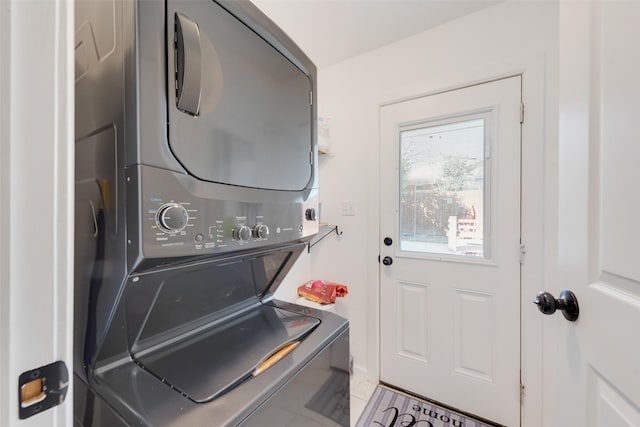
(188,63)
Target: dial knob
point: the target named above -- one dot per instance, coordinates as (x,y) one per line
(260,231)
(172,217)
(310,214)
(242,234)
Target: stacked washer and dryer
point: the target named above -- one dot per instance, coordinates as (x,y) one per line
(196,191)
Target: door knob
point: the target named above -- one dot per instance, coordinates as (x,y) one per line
(387,260)
(567,303)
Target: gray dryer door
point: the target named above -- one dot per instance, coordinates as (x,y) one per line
(239,111)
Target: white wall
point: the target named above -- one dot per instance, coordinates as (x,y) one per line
(496,41)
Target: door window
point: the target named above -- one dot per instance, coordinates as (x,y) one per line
(444,187)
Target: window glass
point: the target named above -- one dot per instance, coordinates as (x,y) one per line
(443,187)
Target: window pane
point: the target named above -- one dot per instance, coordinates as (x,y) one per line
(442,188)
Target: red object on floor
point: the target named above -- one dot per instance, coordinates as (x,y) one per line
(322,292)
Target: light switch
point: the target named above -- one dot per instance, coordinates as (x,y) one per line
(348,208)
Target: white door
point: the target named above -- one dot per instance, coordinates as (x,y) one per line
(593,375)
(450,273)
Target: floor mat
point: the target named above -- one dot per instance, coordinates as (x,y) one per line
(389,408)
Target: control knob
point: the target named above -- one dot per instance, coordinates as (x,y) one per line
(310,214)
(260,231)
(242,234)
(172,217)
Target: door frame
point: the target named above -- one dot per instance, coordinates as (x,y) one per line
(536,130)
(36,193)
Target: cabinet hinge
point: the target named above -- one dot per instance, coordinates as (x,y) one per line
(521,393)
(521,113)
(523,252)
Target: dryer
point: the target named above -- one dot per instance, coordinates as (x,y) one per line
(196,191)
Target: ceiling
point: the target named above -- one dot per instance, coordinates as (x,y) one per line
(330,31)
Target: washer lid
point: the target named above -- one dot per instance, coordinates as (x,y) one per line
(205,366)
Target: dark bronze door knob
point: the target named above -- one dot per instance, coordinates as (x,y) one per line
(387,260)
(567,303)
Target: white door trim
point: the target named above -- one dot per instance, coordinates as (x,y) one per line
(535,131)
(36,195)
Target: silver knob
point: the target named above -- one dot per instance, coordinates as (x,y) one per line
(172,217)
(260,231)
(242,234)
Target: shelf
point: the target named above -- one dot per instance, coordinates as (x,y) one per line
(324,231)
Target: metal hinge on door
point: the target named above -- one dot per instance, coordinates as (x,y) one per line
(521,394)
(521,113)
(523,252)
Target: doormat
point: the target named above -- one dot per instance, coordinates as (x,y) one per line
(390,408)
(332,400)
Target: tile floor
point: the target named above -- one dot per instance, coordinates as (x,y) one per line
(361,391)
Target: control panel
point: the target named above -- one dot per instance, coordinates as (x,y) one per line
(179,223)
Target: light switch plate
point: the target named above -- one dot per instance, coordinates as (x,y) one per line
(348,208)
